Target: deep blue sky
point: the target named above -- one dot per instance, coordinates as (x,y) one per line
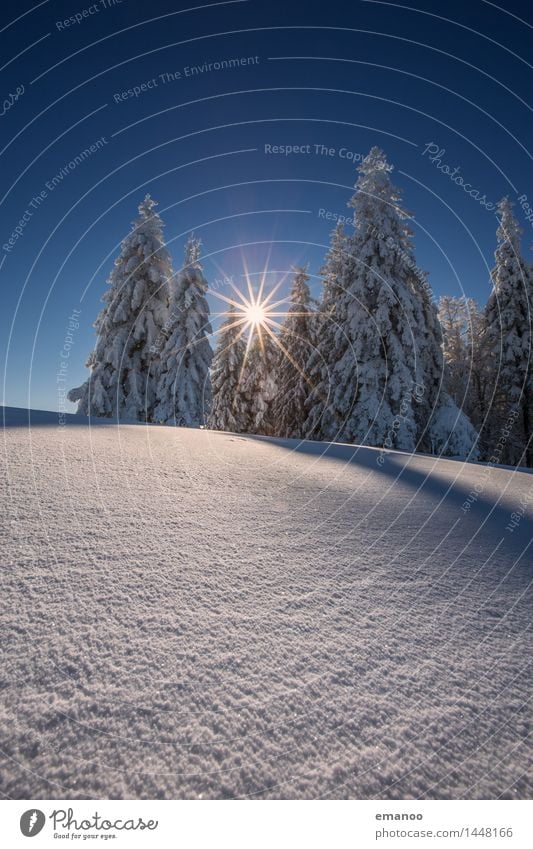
(365,73)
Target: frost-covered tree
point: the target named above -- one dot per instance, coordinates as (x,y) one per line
(467,367)
(295,345)
(259,382)
(509,331)
(327,324)
(451,433)
(129,327)
(375,372)
(229,408)
(454,318)
(478,400)
(385,377)
(183,382)
(443,425)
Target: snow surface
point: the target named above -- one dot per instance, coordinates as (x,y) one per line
(197,614)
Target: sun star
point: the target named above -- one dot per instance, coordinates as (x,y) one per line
(255,314)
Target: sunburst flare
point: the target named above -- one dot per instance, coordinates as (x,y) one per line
(256,314)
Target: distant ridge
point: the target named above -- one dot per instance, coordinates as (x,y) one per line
(21,416)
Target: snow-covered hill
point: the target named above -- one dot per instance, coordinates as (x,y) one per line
(197,614)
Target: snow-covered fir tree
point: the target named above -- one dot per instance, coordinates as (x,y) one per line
(183,381)
(229,408)
(374,370)
(451,433)
(130,326)
(443,426)
(386,358)
(259,382)
(327,323)
(454,319)
(477,402)
(509,331)
(467,369)
(295,346)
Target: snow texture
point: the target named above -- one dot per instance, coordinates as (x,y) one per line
(189,613)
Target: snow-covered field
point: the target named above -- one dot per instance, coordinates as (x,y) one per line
(195,614)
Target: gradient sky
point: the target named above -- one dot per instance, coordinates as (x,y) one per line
(346,75)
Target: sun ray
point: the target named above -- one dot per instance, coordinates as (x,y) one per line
(272,293)
(243,299)
(236,323)
(276,303)
(248,281)
(229,301)
(256,313)
(246,352)
(287,353)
